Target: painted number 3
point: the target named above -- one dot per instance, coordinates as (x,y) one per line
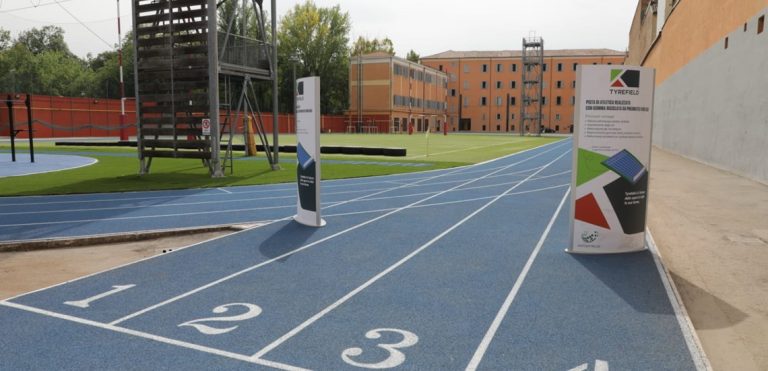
(252,311)
(396,357)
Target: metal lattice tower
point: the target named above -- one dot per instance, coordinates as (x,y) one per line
(533,78)
(181,58)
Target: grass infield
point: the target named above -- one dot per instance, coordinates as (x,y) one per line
(117,168)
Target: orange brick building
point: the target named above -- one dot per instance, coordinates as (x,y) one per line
(395,92)
(484,87)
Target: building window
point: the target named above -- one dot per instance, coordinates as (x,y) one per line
(559,67)
(498,84)
(453,92)
(466,68)
(498,127)
(499,101)
(512,117)
(498,67)
(440,67)
(466,101)
(573,101)
(512,101)
(574,84)
(513,67)
(513,84)
(726,42)
(558,100)
(544,67)
(557,116)
(557,127)
(574,66)
(543,101)
(559,84)
(483,127)
(610,63)
(466,84)
(483,101)
(760,24)
(512,128)
(485,68)
(498,117)
(483,84)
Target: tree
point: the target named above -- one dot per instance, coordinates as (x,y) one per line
(315,40)
(5,39)
(48,38)
(413,56)
(365,46)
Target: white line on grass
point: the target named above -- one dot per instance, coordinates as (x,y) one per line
(391,268)
(483,347)
(304,247)
(160,339)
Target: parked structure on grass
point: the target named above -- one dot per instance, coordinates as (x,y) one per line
(485,87)
(710,58)
(395,93)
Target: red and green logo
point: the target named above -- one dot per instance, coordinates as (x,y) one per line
(625,78)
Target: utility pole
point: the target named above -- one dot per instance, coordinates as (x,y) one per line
(123,134)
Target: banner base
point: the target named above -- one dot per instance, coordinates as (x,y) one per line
(309,223)
(581,252)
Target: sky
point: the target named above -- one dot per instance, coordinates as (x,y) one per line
(425,26)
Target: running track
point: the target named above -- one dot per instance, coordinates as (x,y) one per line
(445,270)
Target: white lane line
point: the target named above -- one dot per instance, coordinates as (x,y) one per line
(692,340)
(391,268)
(449,202)
(304,247)
(224,190)
(483,347)
(144,335)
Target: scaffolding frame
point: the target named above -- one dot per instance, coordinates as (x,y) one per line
(181,61)
(531,100)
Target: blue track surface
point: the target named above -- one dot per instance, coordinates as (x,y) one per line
(447,270)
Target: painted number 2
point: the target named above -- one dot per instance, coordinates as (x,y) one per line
(252,311)
(396,357)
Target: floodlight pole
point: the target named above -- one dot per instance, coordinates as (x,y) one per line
(123,134)
(275,124)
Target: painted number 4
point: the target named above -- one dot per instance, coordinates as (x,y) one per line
(396,357)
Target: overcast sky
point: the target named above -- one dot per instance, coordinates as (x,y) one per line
(426,26)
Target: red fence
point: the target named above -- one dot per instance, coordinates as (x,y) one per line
(66,117)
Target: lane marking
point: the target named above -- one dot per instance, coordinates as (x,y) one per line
(224,190)
(304,247)
(157,338)
(85,303)
(692,340)
(265,223)
(483,347)
(450,202)
(391,268)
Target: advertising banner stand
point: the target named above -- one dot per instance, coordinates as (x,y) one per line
(308,151)
(613,123)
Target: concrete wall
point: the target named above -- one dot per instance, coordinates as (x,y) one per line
(715,107)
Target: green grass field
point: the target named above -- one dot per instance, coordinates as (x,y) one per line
(117,168)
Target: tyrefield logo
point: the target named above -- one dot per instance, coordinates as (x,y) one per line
(625,78)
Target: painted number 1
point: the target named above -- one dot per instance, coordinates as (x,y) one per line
(85,303)
(396,357)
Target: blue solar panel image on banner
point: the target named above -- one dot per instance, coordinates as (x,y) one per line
(626,165)
(305,159)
